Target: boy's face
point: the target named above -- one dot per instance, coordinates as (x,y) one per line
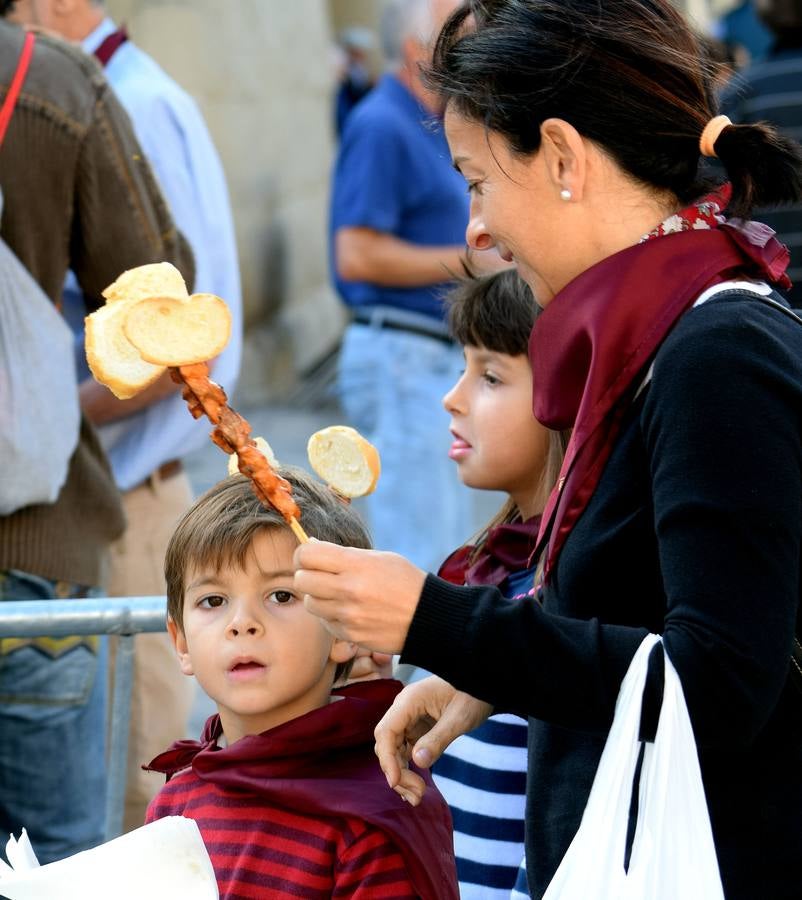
(250,642)
(498,444)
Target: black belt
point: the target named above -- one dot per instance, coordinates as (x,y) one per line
(366,318)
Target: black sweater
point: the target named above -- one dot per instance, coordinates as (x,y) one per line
(693,532)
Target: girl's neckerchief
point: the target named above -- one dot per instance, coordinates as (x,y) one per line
(322,764)
(507,548)
(590,347)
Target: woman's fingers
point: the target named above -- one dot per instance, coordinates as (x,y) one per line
(369,666)
(411,787)
(461,714)
(413,712)
(366,596)
(322,556)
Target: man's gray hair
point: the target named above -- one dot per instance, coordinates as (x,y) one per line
(402,19)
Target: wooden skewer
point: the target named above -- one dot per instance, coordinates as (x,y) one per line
(232,434)
(298,531)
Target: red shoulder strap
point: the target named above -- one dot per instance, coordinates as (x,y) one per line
(16,83)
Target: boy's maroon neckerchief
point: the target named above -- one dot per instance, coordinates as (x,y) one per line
(590,347)
(322,764)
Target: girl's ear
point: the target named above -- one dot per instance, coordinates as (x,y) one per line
(180,643)
(342,651)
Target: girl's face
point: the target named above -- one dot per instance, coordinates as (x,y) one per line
(515,207)
(498,444)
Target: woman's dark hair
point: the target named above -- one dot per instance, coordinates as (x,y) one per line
(493,311)
(6,6)
(627,74)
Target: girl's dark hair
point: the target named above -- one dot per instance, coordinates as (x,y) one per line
(497,312)
(6,6)
(627,74)
(493,311)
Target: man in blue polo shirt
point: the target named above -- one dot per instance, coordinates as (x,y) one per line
(399,212)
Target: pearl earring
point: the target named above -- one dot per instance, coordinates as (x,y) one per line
(565,194)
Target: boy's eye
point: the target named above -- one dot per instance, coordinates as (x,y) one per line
(211,601)
(281,596)
(490,378)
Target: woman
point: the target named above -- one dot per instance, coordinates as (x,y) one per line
(579,126)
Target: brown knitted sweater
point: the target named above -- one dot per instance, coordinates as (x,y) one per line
(77,194)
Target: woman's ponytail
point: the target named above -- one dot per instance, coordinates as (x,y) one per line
(763,166)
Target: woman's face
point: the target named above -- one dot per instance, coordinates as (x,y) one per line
(515,206)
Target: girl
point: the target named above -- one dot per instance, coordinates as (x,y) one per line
(498,445)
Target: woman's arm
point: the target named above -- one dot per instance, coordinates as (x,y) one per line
(721,427)
(722,430)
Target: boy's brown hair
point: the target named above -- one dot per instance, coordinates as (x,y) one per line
(219,528)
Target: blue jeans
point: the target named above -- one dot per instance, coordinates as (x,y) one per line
(52,730)
(391,386)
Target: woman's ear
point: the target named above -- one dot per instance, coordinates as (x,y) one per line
(565,158)
(342,651)
(180,643)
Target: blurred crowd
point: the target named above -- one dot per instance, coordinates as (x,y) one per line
(106,165)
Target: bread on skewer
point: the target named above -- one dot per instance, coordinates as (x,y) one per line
(344,460)
(181,334)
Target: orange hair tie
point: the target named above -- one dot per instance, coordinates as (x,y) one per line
(710,134)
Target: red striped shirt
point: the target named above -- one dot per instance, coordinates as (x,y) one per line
(256,848)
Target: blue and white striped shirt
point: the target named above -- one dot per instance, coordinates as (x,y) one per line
(482,776)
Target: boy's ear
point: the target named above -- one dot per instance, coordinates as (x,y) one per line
(342,651)
(180,644)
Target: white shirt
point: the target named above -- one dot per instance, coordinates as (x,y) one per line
(171,130)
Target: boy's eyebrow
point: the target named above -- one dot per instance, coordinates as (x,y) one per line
(204,579)
(213,580)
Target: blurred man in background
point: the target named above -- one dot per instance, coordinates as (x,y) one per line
(145,442)
(398,218)
(77,194)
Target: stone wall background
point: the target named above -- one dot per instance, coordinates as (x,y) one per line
(262,73)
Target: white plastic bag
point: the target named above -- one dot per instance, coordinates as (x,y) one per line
(673,855)
(39,413)
(165,860)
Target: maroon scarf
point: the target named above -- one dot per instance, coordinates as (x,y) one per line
(323,764)
(506,549)
(110,46)
(590,347)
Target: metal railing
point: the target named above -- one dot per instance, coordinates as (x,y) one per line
(121,616)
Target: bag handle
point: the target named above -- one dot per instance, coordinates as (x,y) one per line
(16,83)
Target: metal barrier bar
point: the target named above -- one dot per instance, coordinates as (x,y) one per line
(122,616)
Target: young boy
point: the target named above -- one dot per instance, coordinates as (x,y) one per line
(284,784)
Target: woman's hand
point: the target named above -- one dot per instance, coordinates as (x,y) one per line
(370,666)
(423,720)
(364,596)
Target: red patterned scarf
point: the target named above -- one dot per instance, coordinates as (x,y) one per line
(590,347)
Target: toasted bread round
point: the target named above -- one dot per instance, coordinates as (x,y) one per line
(172,332)
(153,280)
(345,460)
(263,447)
(112,358)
